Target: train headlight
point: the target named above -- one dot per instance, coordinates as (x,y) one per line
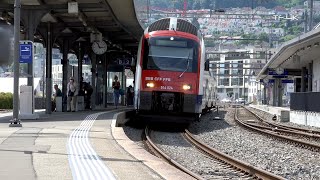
(150,85)
(186,87)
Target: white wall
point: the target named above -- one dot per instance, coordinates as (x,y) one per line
(7,83)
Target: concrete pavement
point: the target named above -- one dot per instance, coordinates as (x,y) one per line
(60,145)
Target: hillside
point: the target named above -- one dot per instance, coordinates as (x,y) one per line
(216,4)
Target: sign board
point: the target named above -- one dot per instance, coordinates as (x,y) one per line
(275,73)
(123,61)
(265,81)
(290,87)
(287,81)
(291,17)
(26,52)
(73,8)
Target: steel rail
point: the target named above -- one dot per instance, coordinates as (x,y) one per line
(239,165)
(312,146)
(284,130)
(287,129)
(160,153)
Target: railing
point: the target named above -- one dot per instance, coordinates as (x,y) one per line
(305,101)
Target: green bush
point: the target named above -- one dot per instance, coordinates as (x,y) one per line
(6,100)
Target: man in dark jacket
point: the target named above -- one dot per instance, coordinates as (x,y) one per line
(88,90)
(58,93)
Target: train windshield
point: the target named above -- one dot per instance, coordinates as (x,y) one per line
(171,54)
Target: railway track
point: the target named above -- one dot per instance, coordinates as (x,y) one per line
(310,132)
(298,136)
(158,152)
(223,162)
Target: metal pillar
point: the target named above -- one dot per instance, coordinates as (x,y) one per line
(93,79)
(65,63)
(15,117)
(279,92)
(274,93)
(264,94)
(105,77)
(311,15)
(310,72)
(303,80)
(30,36)
(244,89)
(49,70)
(80,58)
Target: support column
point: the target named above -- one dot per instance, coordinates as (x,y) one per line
(49,70)
(80,58)
(274,93)
(310,74)
(31,19)
(244,89)
(264,94)
(65,63)
(279,92)
(303,80)
(105,77)
(93,79)
(15,117)
(30,36)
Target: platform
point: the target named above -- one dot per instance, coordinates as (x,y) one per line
(46,148)
(283,113)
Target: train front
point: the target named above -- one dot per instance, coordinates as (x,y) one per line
(168,74)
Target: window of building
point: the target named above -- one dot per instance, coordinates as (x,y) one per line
(223,81)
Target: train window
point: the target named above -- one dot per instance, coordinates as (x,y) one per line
(176,54)
(172,43)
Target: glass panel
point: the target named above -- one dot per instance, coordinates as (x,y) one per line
(110,97)
(171,54)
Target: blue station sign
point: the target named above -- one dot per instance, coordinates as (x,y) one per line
(26,53)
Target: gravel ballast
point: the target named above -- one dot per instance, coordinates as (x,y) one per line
(267,153)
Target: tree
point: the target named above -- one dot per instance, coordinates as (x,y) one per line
(263,37)
(160,3)
(196,5)
(178,4)
(207,4)
(288,37)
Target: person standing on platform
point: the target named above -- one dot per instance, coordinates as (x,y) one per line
(116,90)
(88,90)
(130,96)
(72,95)
(58,93)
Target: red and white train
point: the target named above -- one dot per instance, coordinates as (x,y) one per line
(172,75)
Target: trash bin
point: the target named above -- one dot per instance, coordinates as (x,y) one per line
(25,99)
(26,109)
(59,103)
(80,103)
